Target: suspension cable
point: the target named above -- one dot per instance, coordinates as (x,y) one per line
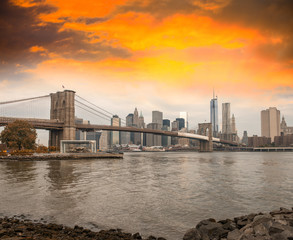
(108,119)
(111,114)
(92,109)
(94,105)
(22,100)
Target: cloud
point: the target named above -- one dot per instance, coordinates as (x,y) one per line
(273,18)
(160,9)
(21,29)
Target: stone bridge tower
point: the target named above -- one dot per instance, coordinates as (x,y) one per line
(63,110)
(206,130)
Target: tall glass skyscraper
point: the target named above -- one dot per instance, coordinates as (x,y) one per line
(214,115)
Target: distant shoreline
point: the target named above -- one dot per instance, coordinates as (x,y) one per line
(60,156)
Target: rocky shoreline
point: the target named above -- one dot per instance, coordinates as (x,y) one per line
(276,225)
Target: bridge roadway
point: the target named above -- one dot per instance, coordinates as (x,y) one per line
(58,125)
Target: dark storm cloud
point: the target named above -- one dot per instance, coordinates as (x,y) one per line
(21,29)
(271,17)
(162,8)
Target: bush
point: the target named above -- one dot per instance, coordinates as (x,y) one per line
(42,149)
(23,152)
(3,154)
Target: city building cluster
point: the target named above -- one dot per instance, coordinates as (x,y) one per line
(273,132)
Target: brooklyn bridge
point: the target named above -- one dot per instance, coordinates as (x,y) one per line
(62,126)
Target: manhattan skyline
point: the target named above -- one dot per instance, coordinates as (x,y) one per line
(165,56)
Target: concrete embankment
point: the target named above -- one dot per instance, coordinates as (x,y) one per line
(59,156)
(276,225)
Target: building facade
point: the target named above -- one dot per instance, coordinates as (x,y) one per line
(270,122)
(284,128)
(184,115)
(226,118)
(115,136)
(181,123)
(256,141)
(214,116)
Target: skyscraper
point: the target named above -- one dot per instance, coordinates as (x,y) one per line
(115,135)
(270,123)
(166,140)
(141,124)
(226,118)
(245,138)
(233,125)
(157,117)
(214,115)
(135,117)
(184,115)
(181,123)
(136,136)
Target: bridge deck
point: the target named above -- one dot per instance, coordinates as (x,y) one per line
(57,125)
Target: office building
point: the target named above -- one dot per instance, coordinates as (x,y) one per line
(270,123)
(226,118)
(151,139)
(181,123)
(256,141)
(184,115)
(166,140)
(245,138)
(136,136)
(214,115)
(94,136)
(104,141)
(284,140)
(80,135)
(141,124)
(233,125)
(115,135)
(157,117)
(175,126)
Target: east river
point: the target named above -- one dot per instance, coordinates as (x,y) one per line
(160,194)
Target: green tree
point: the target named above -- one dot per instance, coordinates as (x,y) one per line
(19,135)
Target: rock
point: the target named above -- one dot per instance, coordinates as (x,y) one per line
(136,236)
(151,238)
(211,229)
(261,219)
(234,235)
(192,234)
(261,230)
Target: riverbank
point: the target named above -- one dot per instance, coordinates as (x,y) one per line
(276,225)
(17,229)
(60,156)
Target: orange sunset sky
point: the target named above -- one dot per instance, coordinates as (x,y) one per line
(165,55)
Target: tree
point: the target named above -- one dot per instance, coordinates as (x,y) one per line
(19,135)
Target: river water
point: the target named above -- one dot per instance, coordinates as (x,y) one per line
(160,194)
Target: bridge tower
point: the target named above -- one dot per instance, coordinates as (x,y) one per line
(63,110)
(206,130)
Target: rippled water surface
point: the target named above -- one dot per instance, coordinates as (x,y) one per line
(160,194)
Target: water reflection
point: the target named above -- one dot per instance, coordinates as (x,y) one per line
(18,171)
